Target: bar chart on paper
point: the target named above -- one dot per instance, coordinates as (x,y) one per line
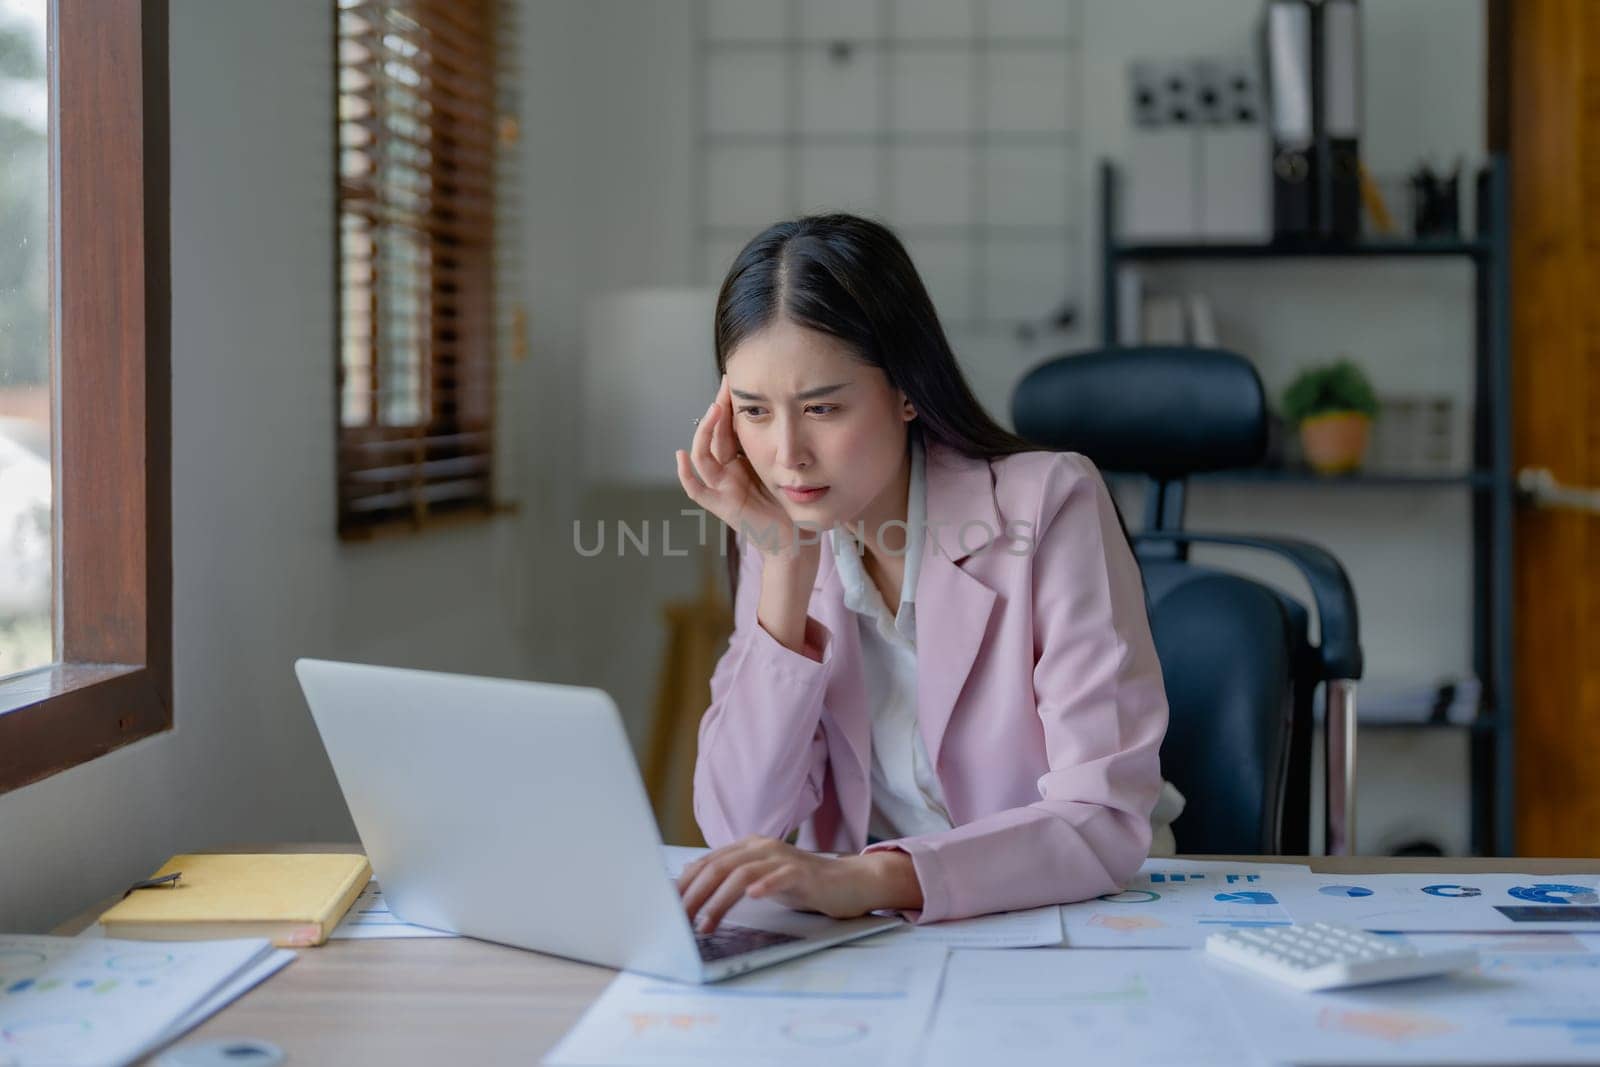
(1179,903)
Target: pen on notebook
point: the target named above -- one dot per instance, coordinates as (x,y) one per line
(169,881)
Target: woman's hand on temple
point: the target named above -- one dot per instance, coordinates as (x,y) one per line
(717,476)
(764,867)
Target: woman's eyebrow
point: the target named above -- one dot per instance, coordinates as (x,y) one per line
(809,394)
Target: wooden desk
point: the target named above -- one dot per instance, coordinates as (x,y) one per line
(458,1001)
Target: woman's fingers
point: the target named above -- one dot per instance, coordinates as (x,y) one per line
(698,883)
(687,478)
(724,442)
(690,870)
(731,891)
(716,870)
(725,439)
(702,876)
(705,464)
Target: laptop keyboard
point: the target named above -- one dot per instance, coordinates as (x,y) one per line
(730,940)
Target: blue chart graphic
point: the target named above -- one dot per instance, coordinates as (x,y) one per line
(1157,879)
(1131,896)
(1251,896)
(1345,891)
(1555,893)
(1452,891)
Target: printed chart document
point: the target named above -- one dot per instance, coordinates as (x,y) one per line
(98,1000)
(1484,903)
(1175,903)
(370,917)
(1060,1006)
(866,1006)
(1528,1002)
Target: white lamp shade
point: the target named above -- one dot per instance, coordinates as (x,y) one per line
(649,369)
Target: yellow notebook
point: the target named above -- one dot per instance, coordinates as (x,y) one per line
(295,899)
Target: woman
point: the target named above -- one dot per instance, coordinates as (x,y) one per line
(989,744)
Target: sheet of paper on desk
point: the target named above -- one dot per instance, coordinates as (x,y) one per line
(1524,1004)
(1487,903)
(1053,1007)
(370,917)
(241,984)
(66,1000)
(843,1007)
(1175,903)
(1033,928)
(1531,946)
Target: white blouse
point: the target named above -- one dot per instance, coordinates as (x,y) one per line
(906,797)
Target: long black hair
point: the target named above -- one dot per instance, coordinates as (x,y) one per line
(851,278)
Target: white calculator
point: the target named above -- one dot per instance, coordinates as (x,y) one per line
(1331,956)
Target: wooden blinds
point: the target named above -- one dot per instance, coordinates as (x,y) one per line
(418,142)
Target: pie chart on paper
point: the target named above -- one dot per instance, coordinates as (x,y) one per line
(1550,893)
(1345,891)
(1253,896)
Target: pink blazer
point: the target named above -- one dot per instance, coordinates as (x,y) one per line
(1039,698)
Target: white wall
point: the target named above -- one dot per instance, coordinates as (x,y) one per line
(607,116)
(259,577)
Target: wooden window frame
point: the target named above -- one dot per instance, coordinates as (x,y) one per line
(111,463)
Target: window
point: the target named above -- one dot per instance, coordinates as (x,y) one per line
(108,676)
(419,136)
(26,568)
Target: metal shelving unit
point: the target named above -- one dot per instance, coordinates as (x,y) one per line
(1490,479)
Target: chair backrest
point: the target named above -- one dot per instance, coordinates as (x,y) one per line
(1233,651)
(1239,733)
(1162,411)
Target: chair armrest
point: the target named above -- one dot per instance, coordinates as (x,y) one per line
(1340,650)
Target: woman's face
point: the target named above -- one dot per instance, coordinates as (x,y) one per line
(809,415)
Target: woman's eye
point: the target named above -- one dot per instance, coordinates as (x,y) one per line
(751,411)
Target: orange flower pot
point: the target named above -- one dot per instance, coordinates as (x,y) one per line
(1335,442)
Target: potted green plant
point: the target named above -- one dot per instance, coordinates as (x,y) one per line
(1333,405)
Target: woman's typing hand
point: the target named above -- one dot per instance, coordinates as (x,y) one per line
(766,868)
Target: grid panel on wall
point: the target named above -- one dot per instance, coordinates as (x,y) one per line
(954,121)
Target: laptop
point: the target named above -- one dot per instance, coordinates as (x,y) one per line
(514,812)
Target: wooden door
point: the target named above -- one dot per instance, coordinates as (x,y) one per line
(1547,110)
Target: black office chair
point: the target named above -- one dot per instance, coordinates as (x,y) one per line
(1240,669)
